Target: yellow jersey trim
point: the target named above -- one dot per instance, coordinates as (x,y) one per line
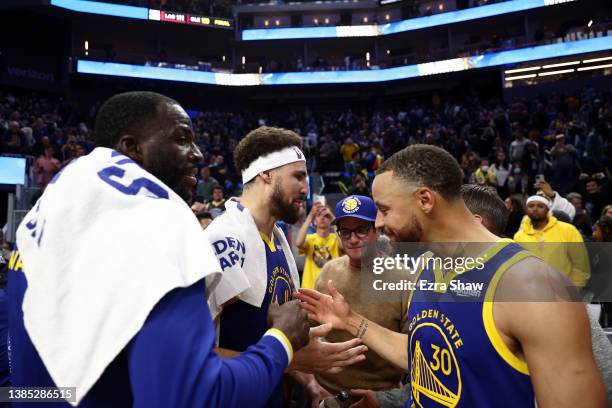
(489,323)
(487,255)
(279,335)
(269,241)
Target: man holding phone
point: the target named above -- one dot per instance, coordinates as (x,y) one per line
(318,247)
(558,203)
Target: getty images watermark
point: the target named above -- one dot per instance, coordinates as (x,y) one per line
(464,272)
(427,261)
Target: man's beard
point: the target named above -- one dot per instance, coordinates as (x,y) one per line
(281,210)
(537,218)
(413,232)
(168,172)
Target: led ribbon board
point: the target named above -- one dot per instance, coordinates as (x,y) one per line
(141,13)
(473,13)
(106,9)
(339,77)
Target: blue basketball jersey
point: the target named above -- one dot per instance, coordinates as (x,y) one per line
(242,325)
(456,356)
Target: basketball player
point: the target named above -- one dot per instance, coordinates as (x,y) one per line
(258,266)
(480,352)
(106,294)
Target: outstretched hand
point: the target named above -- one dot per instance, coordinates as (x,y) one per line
(323,308)
(320,356)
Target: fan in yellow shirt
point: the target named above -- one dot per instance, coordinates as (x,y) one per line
(559,244)
(318,247)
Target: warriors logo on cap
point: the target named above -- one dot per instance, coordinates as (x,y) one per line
(351,205)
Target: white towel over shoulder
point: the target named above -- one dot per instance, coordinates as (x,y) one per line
(242,255)
(105,242)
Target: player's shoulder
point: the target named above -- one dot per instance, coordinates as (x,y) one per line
(533,280)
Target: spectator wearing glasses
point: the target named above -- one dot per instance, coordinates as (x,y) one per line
(355,216)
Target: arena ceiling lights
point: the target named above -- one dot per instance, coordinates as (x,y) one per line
(140,13)
(374,30)
(338,77)
(566,64)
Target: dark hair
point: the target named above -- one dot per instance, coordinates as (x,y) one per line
(605,225)
(518,203)
(204,216)
(428,166)
(127,113)
(562,216)
(217,187)
(262,141)
(583,223)
(504,164)
(485,201)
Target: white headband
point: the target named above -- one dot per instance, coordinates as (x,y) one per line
(271,161)
(540,199)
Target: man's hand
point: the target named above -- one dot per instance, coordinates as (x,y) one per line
(198,207)
(314,211)
(324,308)
(320,356)
(292,321)
(546,188)
(368,399)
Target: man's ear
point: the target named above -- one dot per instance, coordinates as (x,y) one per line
(266,176)
(478,218)
(131,147)
(426,199)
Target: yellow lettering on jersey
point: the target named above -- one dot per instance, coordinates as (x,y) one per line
(15,263)
(445,322)
(12,260)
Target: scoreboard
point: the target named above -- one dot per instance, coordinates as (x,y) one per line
(182,18)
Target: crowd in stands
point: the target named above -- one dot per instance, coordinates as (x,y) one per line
(560,144)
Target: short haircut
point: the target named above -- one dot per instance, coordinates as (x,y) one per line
(427,166)
(204,216)
(217,187)
(263,141)
(485,201)
(127,113)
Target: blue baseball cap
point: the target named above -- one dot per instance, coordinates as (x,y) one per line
(356,206)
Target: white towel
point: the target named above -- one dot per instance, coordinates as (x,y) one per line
(105,242)
(241,252)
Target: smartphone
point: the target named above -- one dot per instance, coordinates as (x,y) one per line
(539,178)
(316,198)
